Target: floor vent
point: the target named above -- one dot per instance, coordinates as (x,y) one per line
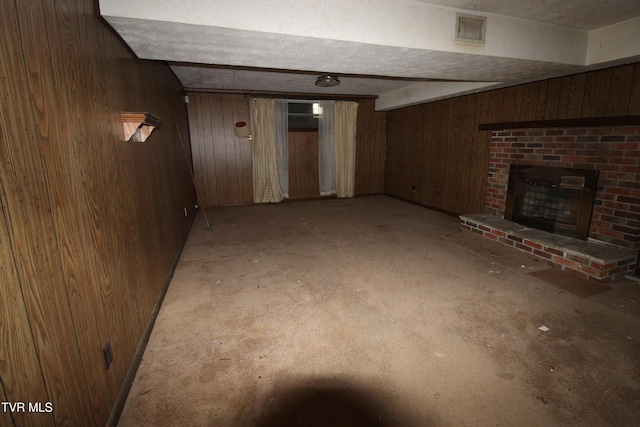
(470,28)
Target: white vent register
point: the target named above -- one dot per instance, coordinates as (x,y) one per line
(470,28)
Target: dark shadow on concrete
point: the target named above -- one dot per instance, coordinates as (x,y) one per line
(330,402)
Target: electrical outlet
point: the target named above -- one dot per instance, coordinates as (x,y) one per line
(413,188)
(186,212)
(108,355)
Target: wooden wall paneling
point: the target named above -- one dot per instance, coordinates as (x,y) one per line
(151,179)
(303,165)
(243,150)
(118,185)
(312,162)
(213,150)
(435,156)
(198,130)
(411,152)
(511,100)
(20,373)
(451,173)
(206,161)
(527,108)
(439,152)
(234,175)
(295,186)
(483,139)
(396,137)
(619,93)
(37,251)
(458,155)
(596,93)
(634,100)
(449,144)
(427,177)
(391,164)
(370,149)
(403,143)
(222,161)
(477,160)
(99,140)
(539,103)
(552,104)
(141,188)
(221,157)
(409,149)
(414,152)
(573,95)
(423,153)
(63,172)
(234,155)
(81,208)
(491,105)
(6,417)
(110,229)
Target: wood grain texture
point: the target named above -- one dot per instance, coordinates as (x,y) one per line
(370,149)
(303,165)
(82,257)
(596,93)
(448,152)
(222,161)
(620,90)
(634,101)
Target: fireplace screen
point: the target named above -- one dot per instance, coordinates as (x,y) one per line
(558,200)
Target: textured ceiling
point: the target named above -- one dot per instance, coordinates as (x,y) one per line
(580,14)
(402,51)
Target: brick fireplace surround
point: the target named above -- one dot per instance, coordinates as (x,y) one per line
(614,234)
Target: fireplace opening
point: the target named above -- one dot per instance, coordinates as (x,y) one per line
(553,199)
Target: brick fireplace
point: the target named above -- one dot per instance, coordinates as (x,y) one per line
(614,151)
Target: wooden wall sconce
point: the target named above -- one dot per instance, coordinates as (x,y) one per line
(136,127)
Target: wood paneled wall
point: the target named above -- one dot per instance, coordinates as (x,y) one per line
(91,225)
(370,149)
(437,148)
(304,176)
(223,162)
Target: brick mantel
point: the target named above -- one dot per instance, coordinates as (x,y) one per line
(613,150)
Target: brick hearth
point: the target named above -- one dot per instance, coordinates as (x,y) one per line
(615,221)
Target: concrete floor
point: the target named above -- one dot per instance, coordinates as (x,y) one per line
(373,311)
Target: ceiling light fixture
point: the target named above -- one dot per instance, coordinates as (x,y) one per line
(327,81)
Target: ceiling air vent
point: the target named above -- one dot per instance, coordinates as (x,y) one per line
(470,28)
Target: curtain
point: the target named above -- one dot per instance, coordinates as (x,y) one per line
(266,179)
(326,150)
(282,144)
(345,116)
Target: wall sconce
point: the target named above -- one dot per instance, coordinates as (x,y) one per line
(136,127)
(242,130)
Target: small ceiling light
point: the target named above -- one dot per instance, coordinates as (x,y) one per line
(327,81)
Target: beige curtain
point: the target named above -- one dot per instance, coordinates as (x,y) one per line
(345,116)
(266,179)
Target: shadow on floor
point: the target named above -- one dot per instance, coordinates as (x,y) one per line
(328,402)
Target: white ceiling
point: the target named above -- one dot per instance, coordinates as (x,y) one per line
(402,51)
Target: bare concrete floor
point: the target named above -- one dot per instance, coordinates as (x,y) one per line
(373,311)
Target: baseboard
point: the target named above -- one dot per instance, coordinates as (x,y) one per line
(121,399)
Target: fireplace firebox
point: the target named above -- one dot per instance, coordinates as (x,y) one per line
(554,199)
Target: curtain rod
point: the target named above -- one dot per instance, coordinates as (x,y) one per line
(286,95)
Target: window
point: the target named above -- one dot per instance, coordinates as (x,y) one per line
(304,115)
